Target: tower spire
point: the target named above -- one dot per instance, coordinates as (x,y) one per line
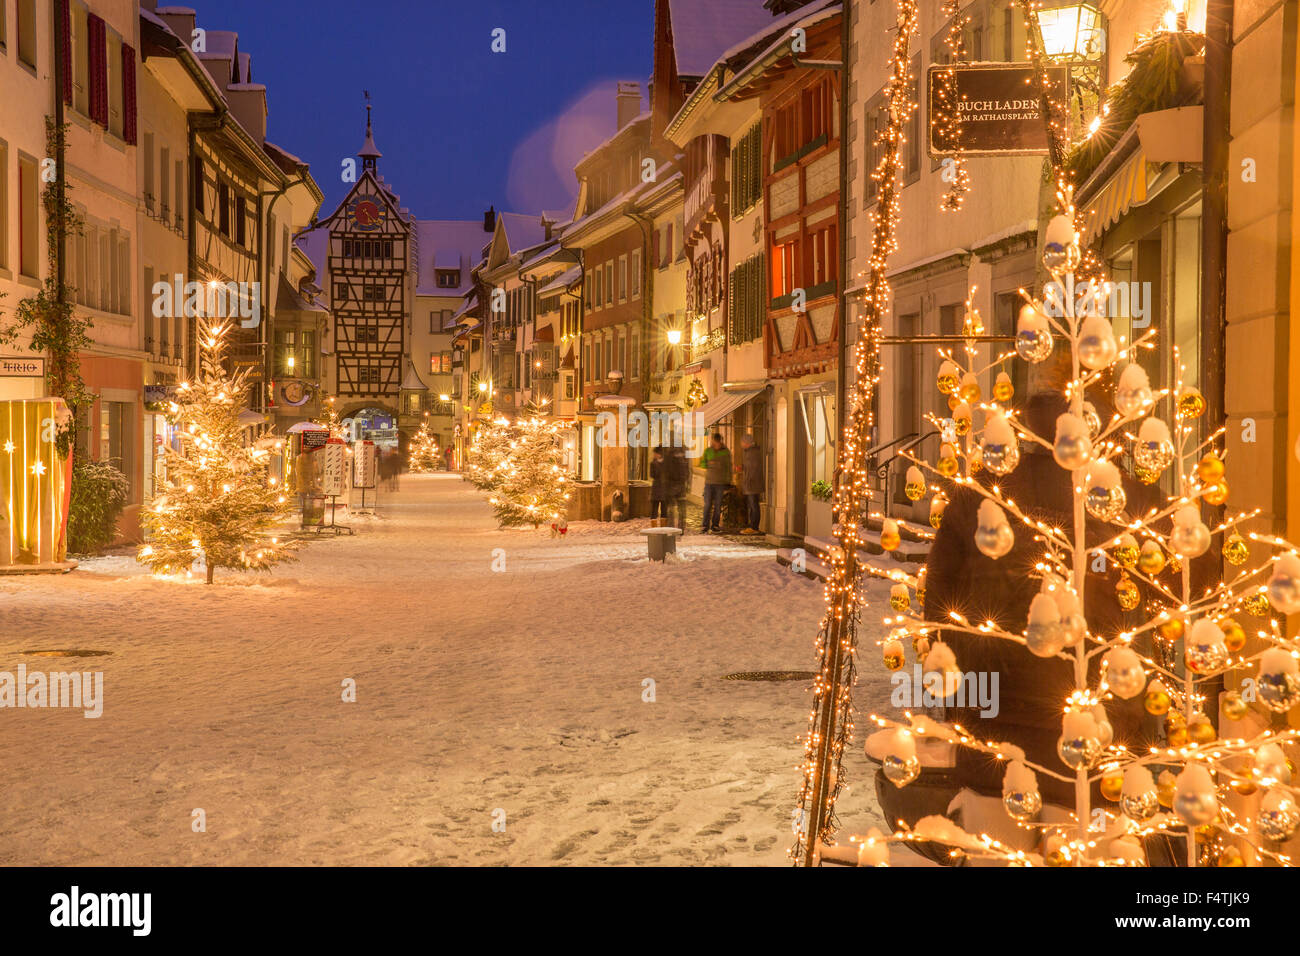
(369,151)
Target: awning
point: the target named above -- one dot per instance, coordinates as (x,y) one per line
(720,406)
(305,427)
(1126,188)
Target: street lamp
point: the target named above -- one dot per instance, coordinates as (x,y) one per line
(674,336)
(1072,31)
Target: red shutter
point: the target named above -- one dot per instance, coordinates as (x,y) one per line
(65,27)
(97,43)
(128,96)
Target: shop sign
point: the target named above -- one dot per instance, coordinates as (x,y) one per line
(998,110)
(21,366)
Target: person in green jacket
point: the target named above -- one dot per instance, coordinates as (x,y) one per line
(716,462)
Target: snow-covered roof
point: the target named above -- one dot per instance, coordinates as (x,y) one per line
(774,27)
(565,279)
(447,244)
(702,29)
(522,232)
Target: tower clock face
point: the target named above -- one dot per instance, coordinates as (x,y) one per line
(367,213)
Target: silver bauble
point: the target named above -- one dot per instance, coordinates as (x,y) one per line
(1283,592)
(1279,691)
(1106,503)
(1205,657)
(1278,816)
(1060,251)
(1045,639)
(1097,347)
(1190,540)
(901,772)
(994,542)
(1033,345)
(1000,458)
(1091,419)
(1077,752)
(1140,807)
(1154,455)
(1022,805)
(1130,401)
(1195,809)
(1125,675)
(1074,629)
(1072,451)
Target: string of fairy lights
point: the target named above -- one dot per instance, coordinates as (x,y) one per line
(830,722)
(947,117)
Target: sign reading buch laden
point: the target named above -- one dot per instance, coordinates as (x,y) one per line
(998,110)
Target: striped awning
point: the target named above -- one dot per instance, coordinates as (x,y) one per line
(1126,188)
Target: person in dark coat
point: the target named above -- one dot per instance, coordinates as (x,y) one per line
(677,480)
(659,483)
(752,483)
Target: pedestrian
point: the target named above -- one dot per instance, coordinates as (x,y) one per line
(752,482)
(716,462)
(450,456)
(678,480)
(659,484)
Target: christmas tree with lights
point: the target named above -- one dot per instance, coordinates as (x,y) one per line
(532,488)
(1172,686)
(486,456)
(219,506)
(425,454)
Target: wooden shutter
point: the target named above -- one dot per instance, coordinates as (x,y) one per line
(128,96)
(97,42)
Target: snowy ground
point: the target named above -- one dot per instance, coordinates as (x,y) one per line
(477,691)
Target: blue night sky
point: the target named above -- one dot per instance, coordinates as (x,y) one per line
(460,127)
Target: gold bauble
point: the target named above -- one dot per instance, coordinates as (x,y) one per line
(1257,604)
(1200,730)
(961,425)
(921,646)
(1243,785)
(947,467)
(1235,550)
(893,661)
(890,540)
(915,490)
(1172,629)
(1210,469)
(1126,555)
(1003,390)
(975,459)
(1230,856)
(970,392)
(937,505)
(900,601)
(1175,565)
(1127,593)
(1176,734)
(1216,494)
(1112,785)
(920,597)
(1233,706)
(1156,701)
(947,383)
(953,402)
(1151,561)
(1165,791)
(1234,635)
(1148,476)
(1191,403)
(1057,857)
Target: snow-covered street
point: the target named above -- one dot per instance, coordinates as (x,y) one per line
(512,696)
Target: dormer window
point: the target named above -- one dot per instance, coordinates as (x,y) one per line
(448,278)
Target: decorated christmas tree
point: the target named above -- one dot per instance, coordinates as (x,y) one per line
(1149,608)
(519,464)
(425,453)
(485,458)
(219,506)
(329,415)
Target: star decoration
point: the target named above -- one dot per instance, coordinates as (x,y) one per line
(38,468)
(9,447)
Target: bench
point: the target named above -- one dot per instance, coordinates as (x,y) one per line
(661,541)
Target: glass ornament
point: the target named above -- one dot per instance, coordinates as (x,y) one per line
(961,419)
(1106,503)
(975,459)
(1284,584)
(1191,403)
(892,652)
(1123,672)
(1151,559)
(914,487)
(1210,469)
(1060,245)
(1127,593)
(1205,651)
(1165,789)
(1000,450)
(1279,680)
(1112,784)
(1195,800)
(1022,805)
(890,539)
(1139,807)
(1043,634)
(900,771)
(921,646)
(1003,389)
(969,390)
(1091,419)
(1257,604)
(1146,475)
(899,598)
(1189,537)
(1072,448)
(1126,551)
(1233,706)
(1235,550)
(937,504)
(1172,629)
(1132,391)
(1156,701)
(1033,337)
(1200,730)
(1278,816)
(1078,752)
(1234,635)
(948,377)
(1216,494)
(1154,449)
(1097,346)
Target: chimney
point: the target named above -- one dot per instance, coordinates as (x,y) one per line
(629,101)
(490,219)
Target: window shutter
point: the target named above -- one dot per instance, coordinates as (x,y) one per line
(97,43)
(128,97)
(65,28)
(668,253)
